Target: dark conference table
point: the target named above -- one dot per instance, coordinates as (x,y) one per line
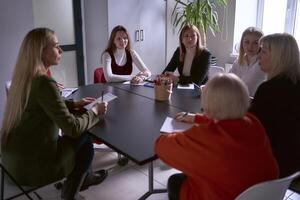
(134,118)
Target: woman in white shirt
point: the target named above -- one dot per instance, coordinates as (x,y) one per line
(118,59)
(246,65)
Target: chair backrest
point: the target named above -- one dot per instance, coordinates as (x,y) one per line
(274,189)
(99,75)
(214,70)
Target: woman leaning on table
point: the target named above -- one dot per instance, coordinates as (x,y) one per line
(224,153)
(118,59)
(32,149)
(190,59)
(277,101)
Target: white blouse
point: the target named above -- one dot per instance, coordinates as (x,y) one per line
(121,59)
(251,74)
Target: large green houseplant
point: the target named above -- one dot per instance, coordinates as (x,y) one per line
(201,13)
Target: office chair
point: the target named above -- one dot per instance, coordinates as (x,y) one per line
(11,189)
(214,70)
(274,189)
(100,78)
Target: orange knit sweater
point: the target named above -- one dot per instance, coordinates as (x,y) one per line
(221,159)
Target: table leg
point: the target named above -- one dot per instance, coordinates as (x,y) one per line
(150,179)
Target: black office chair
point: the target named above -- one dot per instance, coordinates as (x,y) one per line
(16,190)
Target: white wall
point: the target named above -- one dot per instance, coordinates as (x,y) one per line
(16,19)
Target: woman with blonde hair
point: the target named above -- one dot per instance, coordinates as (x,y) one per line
(224,153)
(246,66)
(32,149)
(277,101)
(191,59)
(118,59)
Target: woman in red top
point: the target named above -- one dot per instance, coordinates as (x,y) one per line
(224,153)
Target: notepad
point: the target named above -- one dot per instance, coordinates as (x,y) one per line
(106,97)
(171,125)
(68,91)
(129,83)
(187,87)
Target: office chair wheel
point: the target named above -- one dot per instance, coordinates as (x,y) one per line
(123,161)
(58,185)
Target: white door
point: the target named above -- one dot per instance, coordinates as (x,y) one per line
(146,23)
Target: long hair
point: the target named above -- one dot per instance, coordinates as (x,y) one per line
(181,45)
(225,96)
(29,64)
(249,31)
(284,55)
(111,45)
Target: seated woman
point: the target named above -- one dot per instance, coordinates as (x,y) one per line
(277,101)
(32,149)
(224,153)
(118,59)
(190,59)
(246,66)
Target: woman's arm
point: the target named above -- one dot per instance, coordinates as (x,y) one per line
(49,99)
(174,62)
(136,59)
(109,76)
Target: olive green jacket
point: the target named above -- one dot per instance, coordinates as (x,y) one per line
(34,152)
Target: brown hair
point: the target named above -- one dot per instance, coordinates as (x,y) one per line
(181,45)
(111,45)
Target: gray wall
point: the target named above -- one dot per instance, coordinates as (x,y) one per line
(16,19)
(96,34)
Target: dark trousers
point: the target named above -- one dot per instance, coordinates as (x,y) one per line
(84,153)
(174,184)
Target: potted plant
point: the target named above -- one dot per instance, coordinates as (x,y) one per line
(201,13)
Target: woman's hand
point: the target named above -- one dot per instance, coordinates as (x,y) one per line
(100,108)
(136,80)
(172,76)
(83,102)
(185,117)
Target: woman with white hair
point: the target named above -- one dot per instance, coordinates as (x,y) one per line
(277,101)
(224,153)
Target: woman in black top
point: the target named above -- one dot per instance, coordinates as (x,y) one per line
(277,101)
(190,58)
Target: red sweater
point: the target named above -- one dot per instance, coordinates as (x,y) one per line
(221,159)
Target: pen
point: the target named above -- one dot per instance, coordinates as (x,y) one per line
(102,96)
(185,114)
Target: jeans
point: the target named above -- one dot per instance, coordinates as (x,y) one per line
(174,184)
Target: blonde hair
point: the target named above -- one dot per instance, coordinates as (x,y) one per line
(225,96)
(182,48)
(249,31)
(284,55)
(29,64)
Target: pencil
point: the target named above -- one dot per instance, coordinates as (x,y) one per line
(102,96)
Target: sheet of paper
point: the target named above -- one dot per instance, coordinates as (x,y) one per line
(187,87)
(106,97)
(67,91)
(128,83)
(171,125)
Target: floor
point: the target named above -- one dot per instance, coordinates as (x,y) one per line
(127,183)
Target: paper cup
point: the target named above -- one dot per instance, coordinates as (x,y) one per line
(163,92)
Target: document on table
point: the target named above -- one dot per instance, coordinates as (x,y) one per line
(171,125)
(128,83)
(68,91)
(187,87)
(106,97)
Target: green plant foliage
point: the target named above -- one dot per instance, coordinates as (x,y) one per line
(201,13)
